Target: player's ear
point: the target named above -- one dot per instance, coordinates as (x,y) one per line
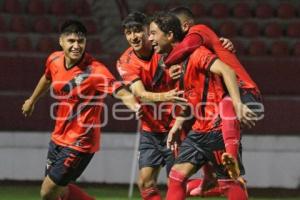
(185,26)
(170,35)
(60,41)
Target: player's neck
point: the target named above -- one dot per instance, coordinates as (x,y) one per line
(144,53)
(71,63)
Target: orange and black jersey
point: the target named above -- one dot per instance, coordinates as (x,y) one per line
(155,79)
(80,91)
(203,90)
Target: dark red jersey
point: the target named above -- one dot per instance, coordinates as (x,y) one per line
(202,35)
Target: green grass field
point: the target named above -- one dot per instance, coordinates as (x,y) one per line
(31,192)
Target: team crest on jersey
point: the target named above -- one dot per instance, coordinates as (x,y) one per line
(78,79)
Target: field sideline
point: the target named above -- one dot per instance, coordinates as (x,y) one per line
(30,191)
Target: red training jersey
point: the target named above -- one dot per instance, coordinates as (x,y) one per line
(204,90)
(80,91)
(157,116)
(203,35)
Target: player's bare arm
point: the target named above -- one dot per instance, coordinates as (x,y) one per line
(130,101)
(139,90)
(42,86)
(244,114)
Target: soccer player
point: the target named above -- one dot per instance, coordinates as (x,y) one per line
(195,36)
(79,83)
(203,79)
(150,83)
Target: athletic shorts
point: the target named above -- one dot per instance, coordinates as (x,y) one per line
(199,149)
(153,151)
(64,164)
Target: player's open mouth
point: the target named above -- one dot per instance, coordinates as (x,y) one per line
(154,45)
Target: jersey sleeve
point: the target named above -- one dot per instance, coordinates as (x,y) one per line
(104,81)
(184,49)
(129,71)
(47,72)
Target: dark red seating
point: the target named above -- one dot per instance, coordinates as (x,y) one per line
(23,44)
(273,30)
(293,30)
(242,10)
(250,29)
(47,45)
(94,46)
(59,7)
(152,7)
(296,49)
(257,48)
(198,9)
(36,7)
(219,10)
(3,24)
(43,25)
(82,8)
(228,29)
(280,48)
(239,47)
(4,44)
(264,10)
(91,26)
(12,6)
(19,24)
(286,11)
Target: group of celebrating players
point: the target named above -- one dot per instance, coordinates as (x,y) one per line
(186,86)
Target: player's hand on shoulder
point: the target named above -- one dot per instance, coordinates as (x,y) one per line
(227,44)
(175,71)
(27,108)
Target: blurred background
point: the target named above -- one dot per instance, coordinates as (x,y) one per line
(266,35)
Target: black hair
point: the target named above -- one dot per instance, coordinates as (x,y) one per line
(182,10)
(73,26)
(135,19)
(167,22)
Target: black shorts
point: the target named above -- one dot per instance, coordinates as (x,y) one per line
(253,100)
(153,151)
(199,149)
(64,164)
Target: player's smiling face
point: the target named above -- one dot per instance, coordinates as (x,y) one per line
(73,46)
(137,37)
(159,40)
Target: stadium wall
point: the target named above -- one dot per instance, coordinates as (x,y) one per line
(271,161)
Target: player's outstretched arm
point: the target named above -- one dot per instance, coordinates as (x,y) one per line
(139,90)
(245,115)
(130,101)
(40,89)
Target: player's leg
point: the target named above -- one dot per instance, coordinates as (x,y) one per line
(152,155)
(231,137)
(177,180)
(147,183)
(64,166)
(189,160)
